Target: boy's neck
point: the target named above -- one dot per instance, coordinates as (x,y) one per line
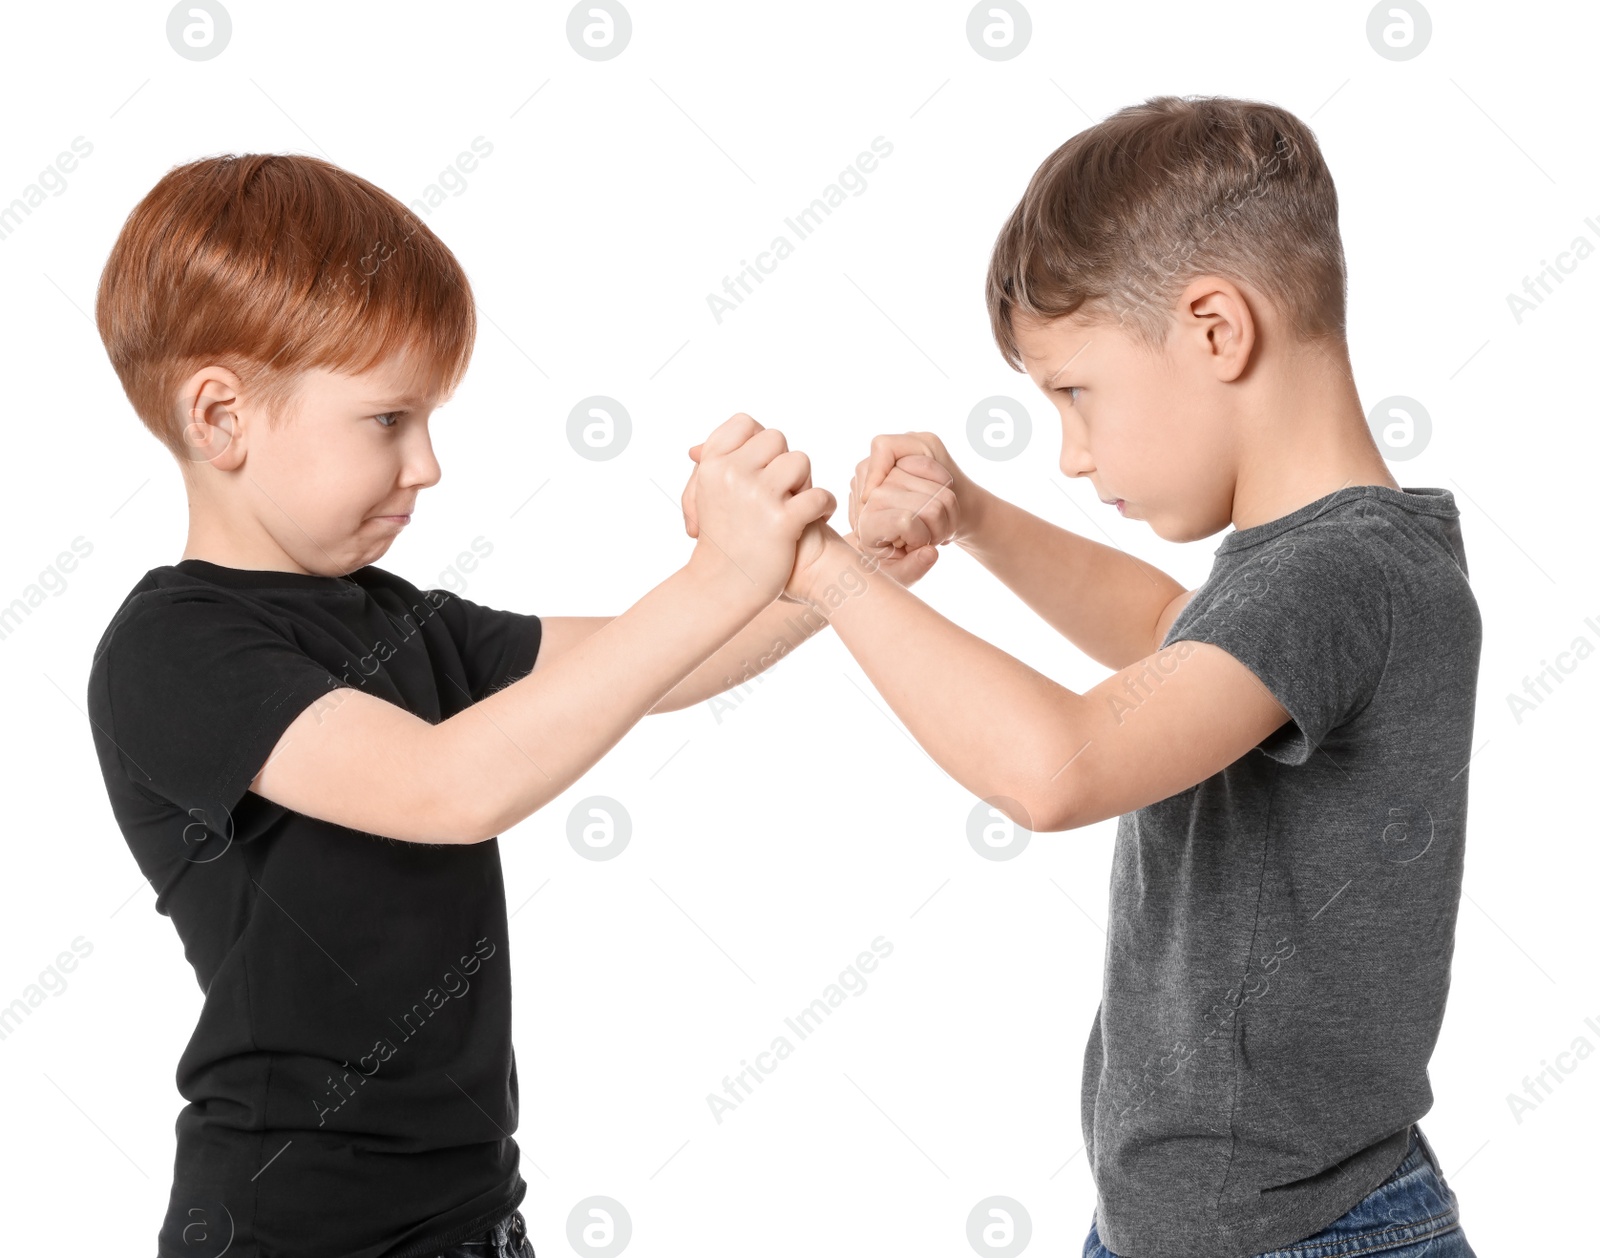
(215,541)
(1311,441)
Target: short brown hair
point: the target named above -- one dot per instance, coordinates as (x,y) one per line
(272,264)
(1125,213)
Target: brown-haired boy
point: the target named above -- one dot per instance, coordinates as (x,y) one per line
(1286,746)
(309,757)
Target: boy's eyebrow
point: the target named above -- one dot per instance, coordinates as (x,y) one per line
(1067,364)
(408,400)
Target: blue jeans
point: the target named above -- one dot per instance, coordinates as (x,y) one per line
(506,1239)
(1412,1214)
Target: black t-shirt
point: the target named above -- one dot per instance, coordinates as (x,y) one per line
(351,1083)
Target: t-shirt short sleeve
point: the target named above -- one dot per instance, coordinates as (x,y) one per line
(497,647)
(1308,614)
(194,689)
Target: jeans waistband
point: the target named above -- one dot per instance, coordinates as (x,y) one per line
(510,1229)
(1418,1151)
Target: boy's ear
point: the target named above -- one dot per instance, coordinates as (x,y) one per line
(212,433)
(1217,310)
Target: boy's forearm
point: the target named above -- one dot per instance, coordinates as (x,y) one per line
(515,750)
(1103,600)
(777,629)
(996,726)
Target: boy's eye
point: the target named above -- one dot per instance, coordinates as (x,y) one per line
(388,415)
(1071,390)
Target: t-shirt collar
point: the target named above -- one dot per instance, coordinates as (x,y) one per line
(264,578)
(1428,500)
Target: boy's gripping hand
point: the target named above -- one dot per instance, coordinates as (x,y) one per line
(908,496)
(747,503)
(905,567)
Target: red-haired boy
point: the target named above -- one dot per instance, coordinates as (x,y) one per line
(309,757)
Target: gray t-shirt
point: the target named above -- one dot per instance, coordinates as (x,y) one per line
(1280,935)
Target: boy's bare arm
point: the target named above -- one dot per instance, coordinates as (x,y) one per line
(1008,733)
(1106,602)
(360,762)
(1110,605)
(777,629)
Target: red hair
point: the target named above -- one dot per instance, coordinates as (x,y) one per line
(271,264)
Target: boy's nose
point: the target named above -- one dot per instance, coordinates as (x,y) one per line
(421,467)
(1076,463)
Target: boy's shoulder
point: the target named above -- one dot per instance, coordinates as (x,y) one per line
(1354,551)
(195,617)
(151,598)
(1356,597)
(167,593)
(1358,514)
(188,631)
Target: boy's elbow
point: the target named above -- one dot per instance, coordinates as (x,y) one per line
(462,807)
(467,829)
(1054,814)
(1058,817)
(1056,781)
(1053,801)
(1037,811)
(475,814)
(450,815)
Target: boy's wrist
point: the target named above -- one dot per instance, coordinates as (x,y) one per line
(977,517)
(840,571)
(724,589)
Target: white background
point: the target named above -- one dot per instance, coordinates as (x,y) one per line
(772,846)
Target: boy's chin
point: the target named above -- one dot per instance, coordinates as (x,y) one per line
(360,552)
(1170,530)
